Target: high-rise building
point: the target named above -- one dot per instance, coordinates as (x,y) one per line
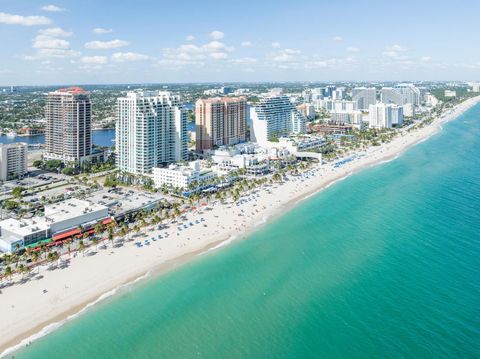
(364,97)
(220,121)
(273,117)
(391,95)
(307,110)
(68,132)
(13,160)
(401,94)
(335,105)
(383,115)
(151,131)
(355,118)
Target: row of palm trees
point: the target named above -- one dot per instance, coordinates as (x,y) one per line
(163,213)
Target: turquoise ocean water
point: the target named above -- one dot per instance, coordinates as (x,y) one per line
(385,264)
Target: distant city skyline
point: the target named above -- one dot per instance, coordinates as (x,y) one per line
(101,42)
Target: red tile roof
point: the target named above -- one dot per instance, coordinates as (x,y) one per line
(73,90)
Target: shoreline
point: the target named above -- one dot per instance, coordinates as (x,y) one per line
(90,280)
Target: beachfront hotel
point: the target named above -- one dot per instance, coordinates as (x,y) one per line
(13,160)
(151,131)
(383,115)
(220,121)
(178,176)
(68,132)
(273,117)
(364,97)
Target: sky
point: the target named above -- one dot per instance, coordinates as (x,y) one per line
(155,41)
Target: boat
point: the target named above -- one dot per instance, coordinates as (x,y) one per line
(11,134)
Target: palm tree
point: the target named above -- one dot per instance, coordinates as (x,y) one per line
(8,272)
(81,247)
(110,235)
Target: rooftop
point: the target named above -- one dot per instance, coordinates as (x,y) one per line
(24,227)
(73,91)
(70,208)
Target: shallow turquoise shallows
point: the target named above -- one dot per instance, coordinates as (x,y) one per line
(385,264)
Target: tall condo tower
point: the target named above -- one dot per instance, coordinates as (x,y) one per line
(68,133)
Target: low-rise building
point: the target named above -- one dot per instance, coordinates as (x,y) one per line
(13,160)
(450,93)
(15,234)
(62,220)
(253,164)
(178,176)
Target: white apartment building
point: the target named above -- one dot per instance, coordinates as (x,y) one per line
(354,118)
(151,131)
(335,105)
(275,116)
(431,100)
(13,160)
(364,97)
(177,176)
(476,87)
(450,93)
(401,94)
(337,94)
(385,115)
(307,110)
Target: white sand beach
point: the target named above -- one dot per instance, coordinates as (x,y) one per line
(26,309)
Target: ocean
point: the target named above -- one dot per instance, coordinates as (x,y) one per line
(384,264)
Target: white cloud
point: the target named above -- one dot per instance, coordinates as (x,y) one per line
(55,53)
(94,60)
(276,45)
(49,42)
(425,59)
(397,48)
(101,31)
(216,46)
(195,55)
(217,35)
(190,38)
(55,32)
(218,55)
(128,56)
(286,55)
(394,51)
(243,61)
(353,49)
(10,19)
(337,38)
(246,44)
(102,45)
(52,8)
